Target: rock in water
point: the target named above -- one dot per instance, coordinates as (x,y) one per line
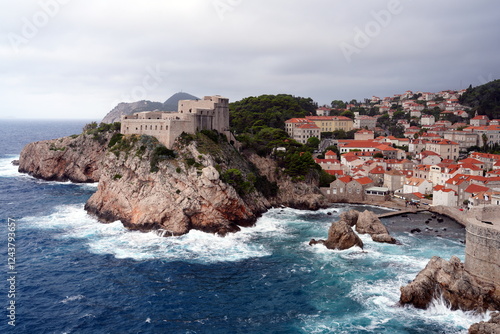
(449,280)
(350,217)
(341,236)
(385,238)
(368,223)
(490,327)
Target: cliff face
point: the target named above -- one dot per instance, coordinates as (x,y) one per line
(298,195)
(201,185)
(73,158)
(450,280)
(184,193)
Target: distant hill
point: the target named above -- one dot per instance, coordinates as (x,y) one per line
(125,108)
(484,99)
(172,103)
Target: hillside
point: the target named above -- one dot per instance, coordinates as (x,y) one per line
(268,110)
(484,99)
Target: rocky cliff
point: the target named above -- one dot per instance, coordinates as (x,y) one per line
(299,195)
(74,158)
(450,280)
(204,183)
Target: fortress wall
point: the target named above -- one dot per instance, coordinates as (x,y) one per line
(482,251)
(211,113)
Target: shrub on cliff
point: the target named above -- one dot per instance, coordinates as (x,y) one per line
(160,153)
(238,181)
(115,139)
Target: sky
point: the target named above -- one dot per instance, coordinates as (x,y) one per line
(78,59)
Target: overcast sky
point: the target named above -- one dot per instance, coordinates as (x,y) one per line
(78,59)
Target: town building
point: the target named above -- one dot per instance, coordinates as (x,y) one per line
(479,120)
(447,149)
(465,139)
(364,135)
(365,122)
(394,180)
(427,120)
(417,185)
(332,123)
(303,132)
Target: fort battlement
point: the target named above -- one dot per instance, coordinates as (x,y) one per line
(211,113)
(482,248)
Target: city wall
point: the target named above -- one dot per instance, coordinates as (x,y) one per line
(482,249)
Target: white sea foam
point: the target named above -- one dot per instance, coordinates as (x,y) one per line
(72,222)
(72,299)
(7,169)
(381,298)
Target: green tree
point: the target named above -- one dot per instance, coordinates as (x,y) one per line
(348,113)
(484,137)
(268,110)
(338,104)
(313,143)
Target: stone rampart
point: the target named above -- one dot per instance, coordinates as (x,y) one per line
(482,251)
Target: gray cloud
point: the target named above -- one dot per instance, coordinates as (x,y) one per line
(88,55)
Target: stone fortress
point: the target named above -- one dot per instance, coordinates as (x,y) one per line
(211,113)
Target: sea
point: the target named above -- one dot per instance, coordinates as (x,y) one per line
(62,271)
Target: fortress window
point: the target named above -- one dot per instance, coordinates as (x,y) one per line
(156,127)
(150,127)
(141,127)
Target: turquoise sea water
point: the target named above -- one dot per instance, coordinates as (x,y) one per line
(76,275)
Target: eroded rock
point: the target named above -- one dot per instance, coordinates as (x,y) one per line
(350,217)
(490,327)
(450,280)
(368,223)
(340,236)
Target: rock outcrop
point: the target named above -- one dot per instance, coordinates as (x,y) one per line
(368,223)
(74,158)
(351,217)
(341,236)
(148,187)
(450,280)
(298,195)
(490,327)
(176,198)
